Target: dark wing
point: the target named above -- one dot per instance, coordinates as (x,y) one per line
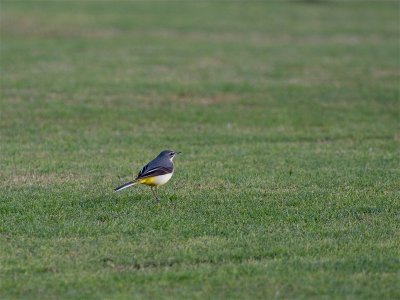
(147,171)
(143,170)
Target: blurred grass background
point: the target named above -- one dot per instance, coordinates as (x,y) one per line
(287,114)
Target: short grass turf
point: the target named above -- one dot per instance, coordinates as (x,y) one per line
(287,115)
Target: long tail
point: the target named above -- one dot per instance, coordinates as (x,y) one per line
(125,185)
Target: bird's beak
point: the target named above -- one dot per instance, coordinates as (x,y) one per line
(179,152)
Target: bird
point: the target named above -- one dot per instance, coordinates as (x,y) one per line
(156,173)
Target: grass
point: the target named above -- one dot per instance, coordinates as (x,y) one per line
(287,114)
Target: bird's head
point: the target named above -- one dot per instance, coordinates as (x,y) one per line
(169,154)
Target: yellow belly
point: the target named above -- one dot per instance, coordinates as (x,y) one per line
(156,180)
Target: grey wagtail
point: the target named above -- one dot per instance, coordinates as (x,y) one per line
(157,172)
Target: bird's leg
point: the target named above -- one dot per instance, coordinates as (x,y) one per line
(157,199)
(154,191)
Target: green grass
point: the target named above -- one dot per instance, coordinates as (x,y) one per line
(287,114)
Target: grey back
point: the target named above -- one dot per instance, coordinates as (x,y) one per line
(161,161)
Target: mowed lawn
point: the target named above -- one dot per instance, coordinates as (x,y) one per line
(287,114)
